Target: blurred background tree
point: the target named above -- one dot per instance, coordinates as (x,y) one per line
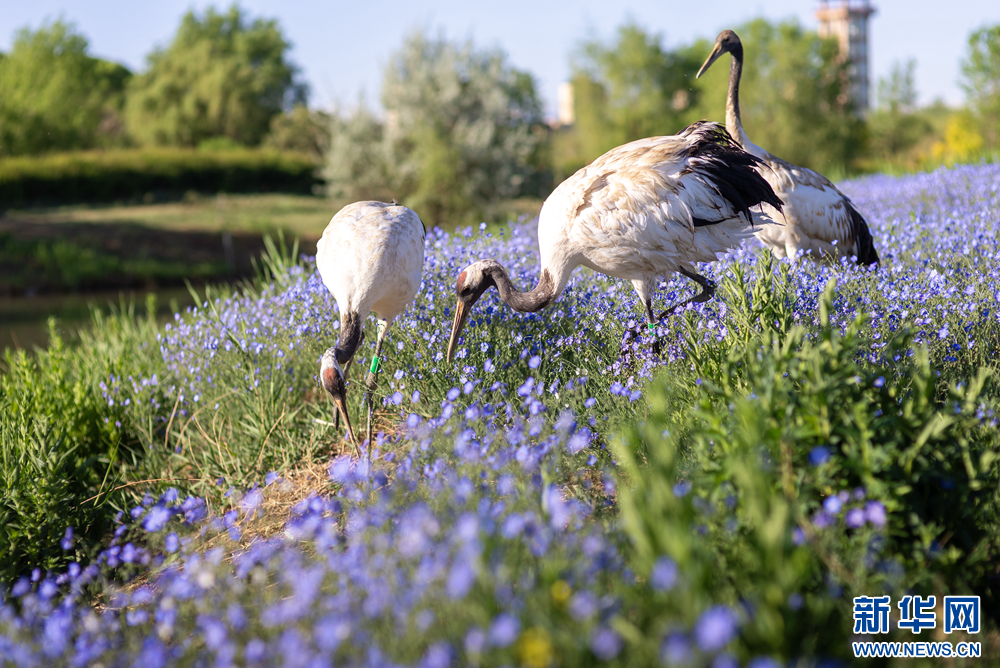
(303,130)
(981,82)
(54,96)
(896,125)
(358,163)
(626,89)
(462,132)
(222,76)
(459,133)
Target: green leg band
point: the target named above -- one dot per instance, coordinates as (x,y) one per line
(374,366)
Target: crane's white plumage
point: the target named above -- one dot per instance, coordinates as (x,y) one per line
(817,217)
(371,258)
(640,211)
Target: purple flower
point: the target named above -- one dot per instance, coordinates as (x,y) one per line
(823,519)
(460,579)
(715,628)
(582,606)
(605,643)
(819,455)
(534,362)
(438,655)
(832,504)
(67,539)
(664,574)
(855,518)
(504,630)
(578,441)
(171,544)
(875,513)
(725,661)
(475,641)
(156,518)
(763,662)
(676,650)
(251,501)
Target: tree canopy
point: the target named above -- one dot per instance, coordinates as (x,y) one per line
(462,131)
(222,76)
(54,96)
(625,89)
(793,94)
(895,126)
(981,81)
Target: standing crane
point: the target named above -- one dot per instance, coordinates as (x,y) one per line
(638,212)
(817,216)
(370,258)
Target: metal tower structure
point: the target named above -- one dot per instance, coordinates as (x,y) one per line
(848,22)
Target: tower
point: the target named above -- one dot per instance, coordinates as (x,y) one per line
(849,24)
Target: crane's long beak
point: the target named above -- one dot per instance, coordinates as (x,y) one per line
(712,57)
(340,400)
(461,313)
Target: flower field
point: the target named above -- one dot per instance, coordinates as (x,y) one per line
(557,496)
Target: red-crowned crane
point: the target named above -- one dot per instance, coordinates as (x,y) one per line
(817,216)
(638,212)
(371,259)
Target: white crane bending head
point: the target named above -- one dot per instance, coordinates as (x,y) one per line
(371,259)
(640,211)
(817,216)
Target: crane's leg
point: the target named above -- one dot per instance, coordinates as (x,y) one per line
(372,379)
(652,326)
(707,290)
(643,289)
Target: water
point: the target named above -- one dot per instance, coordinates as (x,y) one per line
(23,320)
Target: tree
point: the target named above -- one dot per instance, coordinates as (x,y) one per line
(630,88)
(54,96)
(357,166)
(981,81)
(895,125)
(222,76)
(463,131)
(301,129)
(793,96)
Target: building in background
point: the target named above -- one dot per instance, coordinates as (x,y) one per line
(848,22)
(565,114)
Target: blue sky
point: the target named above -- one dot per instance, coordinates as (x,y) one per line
(343,46)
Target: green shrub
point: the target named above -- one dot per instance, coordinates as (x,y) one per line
(95,176)
(788,432)
(66,447)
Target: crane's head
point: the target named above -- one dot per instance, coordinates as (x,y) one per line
(331,377)
(474,280)
(726,42)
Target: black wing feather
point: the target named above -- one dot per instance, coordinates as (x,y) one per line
(728,168)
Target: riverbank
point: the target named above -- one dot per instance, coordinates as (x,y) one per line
(61,262)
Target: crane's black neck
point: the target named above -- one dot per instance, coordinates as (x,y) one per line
(351,332)
(734,124)
(523,302)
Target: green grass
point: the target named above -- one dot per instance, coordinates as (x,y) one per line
(200,239)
